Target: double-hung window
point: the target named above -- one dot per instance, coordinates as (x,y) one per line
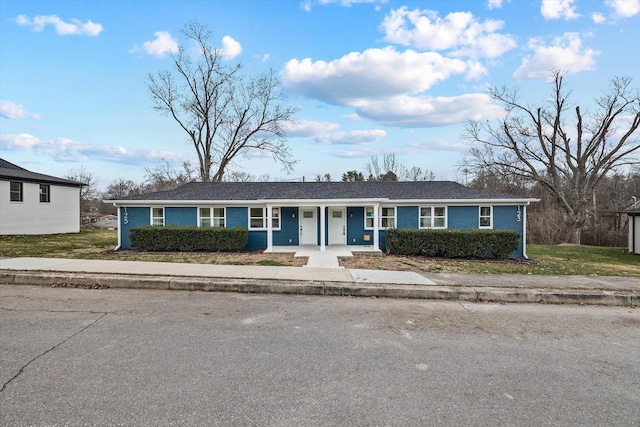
(433,217)
(211,217)
(387,217)
(258,218)
(15,191)
(486,217)
(157,216)
(45,193)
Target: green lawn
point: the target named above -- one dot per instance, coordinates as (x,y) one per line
(549,260)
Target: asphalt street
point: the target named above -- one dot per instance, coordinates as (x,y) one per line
(155,357)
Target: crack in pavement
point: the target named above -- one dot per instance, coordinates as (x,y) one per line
(103,314)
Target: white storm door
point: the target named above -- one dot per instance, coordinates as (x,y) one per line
(308,226)
(337,226)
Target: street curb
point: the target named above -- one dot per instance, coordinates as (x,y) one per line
(432,292)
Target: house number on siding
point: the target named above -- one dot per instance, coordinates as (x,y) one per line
(519,215)
(125,218)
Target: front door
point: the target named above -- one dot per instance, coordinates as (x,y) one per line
(337,226)
(308,226)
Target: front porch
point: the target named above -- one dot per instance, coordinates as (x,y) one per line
(327,258)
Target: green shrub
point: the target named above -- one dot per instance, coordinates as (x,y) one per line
(188,239)
(499,244)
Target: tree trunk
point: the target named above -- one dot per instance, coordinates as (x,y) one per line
(574,230)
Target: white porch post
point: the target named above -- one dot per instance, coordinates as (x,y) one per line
(376,224)
(322,228)
(524,231)
(269,228)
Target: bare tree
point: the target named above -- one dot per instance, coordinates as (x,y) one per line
(323,178)
(538,144)
(417,174)
(224,114)
(390,169)
(164,177)
(88,192)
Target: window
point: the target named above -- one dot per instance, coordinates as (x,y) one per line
(433,217)
(486,217)
(15,191)
(157,216)
(211,217)
(45,193)
(387,217)
(258,218)
(368,217)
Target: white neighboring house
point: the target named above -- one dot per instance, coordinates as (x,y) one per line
(33,203)
(634,230)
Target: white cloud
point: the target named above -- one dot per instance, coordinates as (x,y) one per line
(9,110)
(373,73)
(565,54)
(308,128)
(75,27)
(598,18)
(230,48)
(67,150)
(163,44)
(494,4)
(625,8)
(354,137)
(425,111)
(459,32)
(559,9)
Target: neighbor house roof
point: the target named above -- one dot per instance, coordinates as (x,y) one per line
(289,191)
(632,212)
(9,171)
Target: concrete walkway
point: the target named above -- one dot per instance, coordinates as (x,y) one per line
(313,280)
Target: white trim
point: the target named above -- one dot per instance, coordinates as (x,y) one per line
(270,227)
(524,232)
(323,228)
(211,216)
(164,214)
(376,222)
(433,217)
(328,202)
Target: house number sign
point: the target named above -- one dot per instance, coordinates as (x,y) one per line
(519,215)
(125,217)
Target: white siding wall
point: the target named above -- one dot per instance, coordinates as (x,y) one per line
(61,215)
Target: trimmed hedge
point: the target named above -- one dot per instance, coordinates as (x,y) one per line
(453,243)
(188,239)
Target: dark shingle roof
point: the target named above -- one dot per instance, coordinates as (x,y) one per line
(405,190)
(9,171)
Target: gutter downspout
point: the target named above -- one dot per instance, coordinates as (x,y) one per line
(119,227)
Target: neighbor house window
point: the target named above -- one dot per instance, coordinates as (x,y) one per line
(157,216)
(258,218)
(45,193)
(486,217)
(15,191)
(211,217)
(387,217)
(433,217)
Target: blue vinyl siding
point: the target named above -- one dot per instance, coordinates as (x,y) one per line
(463,217)
(237,217)
(506,218)
(288,234)
(407,217)
(355,227)
(184,216)
(129,218)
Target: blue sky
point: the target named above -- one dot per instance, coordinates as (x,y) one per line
(367,77)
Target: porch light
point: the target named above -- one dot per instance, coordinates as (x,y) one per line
(293,214)
(350,214)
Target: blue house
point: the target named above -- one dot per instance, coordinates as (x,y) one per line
(320,214)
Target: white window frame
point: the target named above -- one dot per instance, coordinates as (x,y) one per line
(154,217)
(275,218)
(481,216)
(19,192)
(214,221)
(387,217)
(433,217)
(369,220)
(46,193)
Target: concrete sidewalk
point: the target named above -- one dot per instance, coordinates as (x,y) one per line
(309,280)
